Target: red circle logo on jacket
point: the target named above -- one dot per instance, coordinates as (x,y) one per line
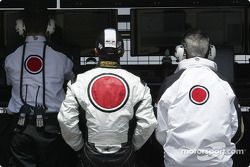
(108,92)
(34,64)
(199,94)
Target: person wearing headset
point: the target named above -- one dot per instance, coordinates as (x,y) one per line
(36,73)
(115,110)
(199,119)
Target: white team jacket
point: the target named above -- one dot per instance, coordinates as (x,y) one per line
(108,97)
(57,69)
(197,117)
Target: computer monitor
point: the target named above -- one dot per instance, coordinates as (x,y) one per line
(21,3)
(77,28)
(75,34)
(80,28)
(158,31)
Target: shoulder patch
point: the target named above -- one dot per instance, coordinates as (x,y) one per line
(199,95)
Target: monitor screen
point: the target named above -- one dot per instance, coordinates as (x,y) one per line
(7,31)
(74,28)
(79,29)
(75,33)
(158,31)
(11,39)
(21,3)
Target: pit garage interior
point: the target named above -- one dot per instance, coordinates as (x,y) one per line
(150,29)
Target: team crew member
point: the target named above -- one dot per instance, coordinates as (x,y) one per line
(36,73)
(116,111)
(198,114)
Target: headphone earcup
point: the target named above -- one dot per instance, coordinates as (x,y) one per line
(212,52)
(180,52)
(20,27)
(51,27)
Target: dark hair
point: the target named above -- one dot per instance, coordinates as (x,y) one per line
(36,16)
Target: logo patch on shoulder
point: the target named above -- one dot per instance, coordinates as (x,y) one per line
(108,92)
(33,64)
(199,94)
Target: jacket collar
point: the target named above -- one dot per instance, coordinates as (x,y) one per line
(108,64)
(196,62)
(35,38)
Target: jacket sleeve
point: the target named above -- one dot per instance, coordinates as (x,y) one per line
(68,70)
(6,68)
(68,119)
(146,121)
(163,105)
(161,130)
(237,121)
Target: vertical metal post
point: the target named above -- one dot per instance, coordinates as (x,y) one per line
(58,4)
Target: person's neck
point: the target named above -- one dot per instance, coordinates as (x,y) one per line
(35,34)
(108,64)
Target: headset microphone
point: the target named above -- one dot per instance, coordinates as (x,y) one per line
(181,54)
